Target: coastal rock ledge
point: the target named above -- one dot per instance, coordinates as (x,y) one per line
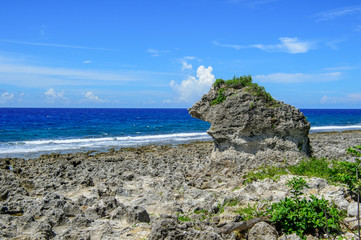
(250,128)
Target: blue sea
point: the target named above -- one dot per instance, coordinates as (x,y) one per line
(29,132)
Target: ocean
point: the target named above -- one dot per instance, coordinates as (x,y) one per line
(30,132)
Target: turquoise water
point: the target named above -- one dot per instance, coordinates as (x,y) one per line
(29,132)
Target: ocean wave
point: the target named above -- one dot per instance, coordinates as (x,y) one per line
(53,145)
(335,128)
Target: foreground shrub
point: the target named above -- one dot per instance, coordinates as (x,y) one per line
(302,216)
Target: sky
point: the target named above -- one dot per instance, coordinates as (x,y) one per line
(167,53)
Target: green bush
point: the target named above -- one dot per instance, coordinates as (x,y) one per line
(297,185)
(260,91)
(302,216)
(220,98)
(239,83)
(218,83)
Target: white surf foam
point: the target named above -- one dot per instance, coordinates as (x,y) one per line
(335,128)
(54,145)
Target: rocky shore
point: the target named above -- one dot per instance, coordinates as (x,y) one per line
(150,192)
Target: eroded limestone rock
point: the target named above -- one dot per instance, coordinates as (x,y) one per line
(250,130)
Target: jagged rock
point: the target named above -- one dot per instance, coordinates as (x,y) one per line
(251,131)
(262,231)
(137,214)
(292,236)
(352,209)
(168,229)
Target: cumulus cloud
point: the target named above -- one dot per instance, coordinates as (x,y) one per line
(287,44)
(193,88)
(6,96)
(90,96)
(52,95)
(298,77)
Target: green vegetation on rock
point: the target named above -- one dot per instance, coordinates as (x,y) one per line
(305,216)
(334,171)
(239,83)
(220,98)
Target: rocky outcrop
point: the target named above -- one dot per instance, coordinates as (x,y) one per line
(151,192)
(250,130)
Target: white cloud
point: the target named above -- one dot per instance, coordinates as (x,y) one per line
(6,96)
(298,77)
(186,65)
(54,45)
(234,46)
(52,95)
(155,52)
(288,45)
(189,58)
(346,67)
(89,96)
(87,61)
(351,98)
(339,12)
(193,88)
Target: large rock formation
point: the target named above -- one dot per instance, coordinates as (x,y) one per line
(250,128)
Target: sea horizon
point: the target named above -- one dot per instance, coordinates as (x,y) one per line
(30,132)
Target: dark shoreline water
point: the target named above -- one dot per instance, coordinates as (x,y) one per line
(27,132)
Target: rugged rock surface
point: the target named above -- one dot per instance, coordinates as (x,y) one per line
(151,192)
(250,130)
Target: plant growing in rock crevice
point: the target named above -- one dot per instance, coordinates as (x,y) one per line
(220,98)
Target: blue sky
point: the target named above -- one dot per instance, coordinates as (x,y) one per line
(151,54)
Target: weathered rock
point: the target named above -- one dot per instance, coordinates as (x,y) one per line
(352,209)
(292,236)
(249,131)
(262,231)
(137,214)
(56,197)
(168,229)
(352,223)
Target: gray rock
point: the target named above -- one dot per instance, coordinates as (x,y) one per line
(292,236)
(352,209)
(137,214)
(262,231)
(249,137)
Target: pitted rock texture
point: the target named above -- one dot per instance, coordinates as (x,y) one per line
(142,193)
(249,131)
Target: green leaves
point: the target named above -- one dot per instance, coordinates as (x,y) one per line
(302,216)
(242,82)
(297,185)
(220,98)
